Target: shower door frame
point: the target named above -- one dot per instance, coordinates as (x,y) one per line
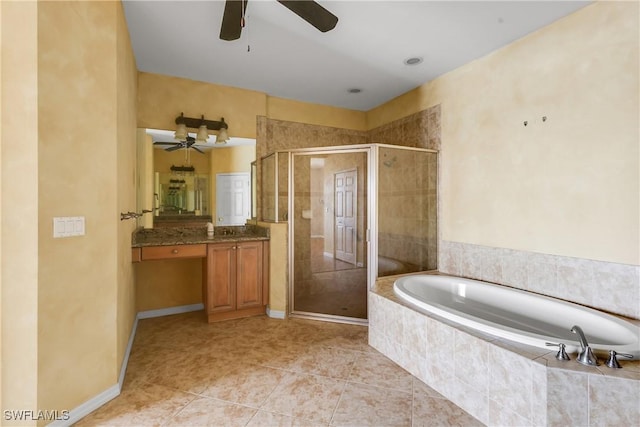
(371,228)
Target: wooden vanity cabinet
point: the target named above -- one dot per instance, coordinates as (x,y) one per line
(236,279)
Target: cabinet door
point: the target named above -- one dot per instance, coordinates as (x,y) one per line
(221,277)
(249,275)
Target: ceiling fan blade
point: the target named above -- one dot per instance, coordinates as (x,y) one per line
(232,20)
(313,13)
(165,143)
(197,149)
(174,148)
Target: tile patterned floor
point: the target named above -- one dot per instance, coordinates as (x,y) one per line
(267,372)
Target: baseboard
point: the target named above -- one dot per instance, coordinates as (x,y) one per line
(85,408)
(170,310)
(127,352)
(275,314)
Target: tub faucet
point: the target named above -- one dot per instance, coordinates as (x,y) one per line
(585,355)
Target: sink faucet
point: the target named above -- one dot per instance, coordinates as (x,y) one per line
(585,355)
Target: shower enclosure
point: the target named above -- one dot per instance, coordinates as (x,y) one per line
(355,213)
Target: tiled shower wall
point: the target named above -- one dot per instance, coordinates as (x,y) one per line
(603,285)
(421,130)
(407,208)
(399,236)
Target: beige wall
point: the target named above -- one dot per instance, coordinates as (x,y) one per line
(162,284)
(321,115)
(567,186)
(278,265)
(126,161)
(70,300)
(162,98)
(145,182)
(19,205)
(78,275)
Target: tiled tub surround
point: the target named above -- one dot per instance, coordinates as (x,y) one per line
(605,286)
(499,382)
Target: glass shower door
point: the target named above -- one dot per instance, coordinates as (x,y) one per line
(329,222)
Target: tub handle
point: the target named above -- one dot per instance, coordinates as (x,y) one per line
(562,353)
(612,362)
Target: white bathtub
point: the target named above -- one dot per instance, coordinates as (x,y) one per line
(517,315)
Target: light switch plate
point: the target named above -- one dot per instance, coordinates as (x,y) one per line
(68,226)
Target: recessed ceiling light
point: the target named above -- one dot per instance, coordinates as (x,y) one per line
(415,60)
(354,90)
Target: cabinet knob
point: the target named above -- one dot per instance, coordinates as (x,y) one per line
(175,251)
(234,248)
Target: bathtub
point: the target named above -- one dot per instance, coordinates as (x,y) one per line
(517,315)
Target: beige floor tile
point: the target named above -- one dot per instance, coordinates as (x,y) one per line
(420,390)
(363,405)
(269,419)
(377,370)
(189,372)
(435,412)
(142,405)
(430,408)
(266,372)
(305,396)
(204,412)
(245,384)
(350,337)
(319,360)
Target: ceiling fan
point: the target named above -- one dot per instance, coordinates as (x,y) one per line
(186,144)
(309,10)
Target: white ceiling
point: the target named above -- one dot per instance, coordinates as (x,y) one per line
(289,58)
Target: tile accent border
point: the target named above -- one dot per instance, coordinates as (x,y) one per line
(496,381)
(602,285)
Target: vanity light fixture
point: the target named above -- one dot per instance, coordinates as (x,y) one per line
(222,136)
(201,124)
(181,131)
(202,134)
(175,168)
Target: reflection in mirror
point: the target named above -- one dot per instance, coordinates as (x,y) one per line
(185,197)
(254,190)
(182,193)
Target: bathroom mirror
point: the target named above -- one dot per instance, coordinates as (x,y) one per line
(185,196)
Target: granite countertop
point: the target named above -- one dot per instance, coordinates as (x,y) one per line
(196,235)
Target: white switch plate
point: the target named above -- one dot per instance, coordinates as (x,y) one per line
(67,226)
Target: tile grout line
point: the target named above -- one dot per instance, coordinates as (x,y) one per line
(344,387)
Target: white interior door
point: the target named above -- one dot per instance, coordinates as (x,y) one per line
(233,196)
(346,191)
